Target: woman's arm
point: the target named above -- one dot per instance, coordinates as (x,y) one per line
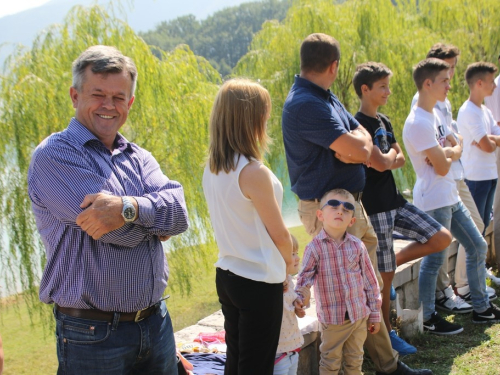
(256,184)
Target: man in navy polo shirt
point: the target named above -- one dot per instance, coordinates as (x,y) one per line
(325,149)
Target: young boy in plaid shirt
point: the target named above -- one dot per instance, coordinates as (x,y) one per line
(346,289)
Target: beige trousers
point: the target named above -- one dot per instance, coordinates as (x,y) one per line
(342,342)
(443,279)
(379,345)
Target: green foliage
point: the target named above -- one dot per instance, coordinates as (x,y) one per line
(223,37)
(169,118)
(397,33)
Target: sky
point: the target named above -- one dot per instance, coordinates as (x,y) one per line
(11,7)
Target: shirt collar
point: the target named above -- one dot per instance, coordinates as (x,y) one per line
(323,236)
(82,135)
(302,82)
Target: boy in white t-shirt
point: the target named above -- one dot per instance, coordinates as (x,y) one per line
(446,300)
(481,137)
(435,192)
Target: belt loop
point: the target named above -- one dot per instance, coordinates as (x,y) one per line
(116,321)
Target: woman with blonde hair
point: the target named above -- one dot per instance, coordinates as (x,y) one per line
(244,201)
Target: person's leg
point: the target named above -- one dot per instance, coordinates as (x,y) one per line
(116,347)
(231,322)
(383,225)
(379,345)
(489,203)
(466,232)
(353,348)
(294,364)
(260,308)
(333,338)
(430,236)
(158,345)
(496,217)
(483,193)
(429,267)
(307,214)
(468,201)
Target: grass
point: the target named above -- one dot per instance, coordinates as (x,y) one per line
(29,345)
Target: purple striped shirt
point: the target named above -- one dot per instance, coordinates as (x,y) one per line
(343,279)
(125,270)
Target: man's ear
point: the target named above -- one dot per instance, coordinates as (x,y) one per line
(73,93)
(364,89)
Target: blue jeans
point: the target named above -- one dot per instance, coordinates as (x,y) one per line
(287,365)
(116,348)
(457,219)
(483,193)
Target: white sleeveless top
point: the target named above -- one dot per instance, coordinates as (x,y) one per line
(245,247)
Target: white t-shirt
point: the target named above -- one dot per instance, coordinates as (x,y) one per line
(457,169)
(474,123)
(422,131)
(245,247)
(493,101)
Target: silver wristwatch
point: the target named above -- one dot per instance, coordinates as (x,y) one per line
(128,210)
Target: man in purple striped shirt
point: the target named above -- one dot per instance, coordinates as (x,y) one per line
(102,207)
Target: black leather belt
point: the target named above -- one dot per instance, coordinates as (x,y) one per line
(107,316)
(357,197)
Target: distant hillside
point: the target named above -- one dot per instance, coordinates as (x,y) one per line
(142,15)
(223,37)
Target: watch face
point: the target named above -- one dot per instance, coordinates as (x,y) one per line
(129,213)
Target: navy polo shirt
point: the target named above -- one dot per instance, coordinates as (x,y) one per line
(312,119)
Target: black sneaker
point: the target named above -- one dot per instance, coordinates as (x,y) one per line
(492,315)
(438,326)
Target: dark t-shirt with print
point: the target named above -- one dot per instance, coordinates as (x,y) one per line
(380,193)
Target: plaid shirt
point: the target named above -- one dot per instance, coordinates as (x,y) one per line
(343,279)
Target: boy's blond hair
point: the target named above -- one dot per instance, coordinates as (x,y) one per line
(342,192)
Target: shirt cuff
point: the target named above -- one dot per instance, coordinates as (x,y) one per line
(374,317)
(146,216)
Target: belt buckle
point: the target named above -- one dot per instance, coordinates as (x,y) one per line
(138,315)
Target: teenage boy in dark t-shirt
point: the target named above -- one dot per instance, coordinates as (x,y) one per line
(386,208)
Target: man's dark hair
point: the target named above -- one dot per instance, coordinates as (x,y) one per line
(443,51)
(317,52)
(367,74)
(428,69)
(478,70)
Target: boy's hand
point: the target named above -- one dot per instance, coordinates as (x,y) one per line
(373,328)
(305,291)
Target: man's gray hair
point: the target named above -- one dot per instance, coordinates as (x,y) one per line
(103,60)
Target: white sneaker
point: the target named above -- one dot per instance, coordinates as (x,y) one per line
(464,293)
(489,275)
(448,301)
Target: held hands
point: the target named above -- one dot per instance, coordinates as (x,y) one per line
(305,291)
(373,328)
(102,214)
(299,308)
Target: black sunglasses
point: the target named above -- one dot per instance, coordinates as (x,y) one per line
(335,203)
